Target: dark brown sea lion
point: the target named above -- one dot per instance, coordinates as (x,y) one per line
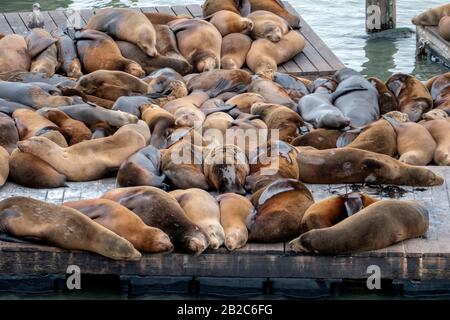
(126,25)
(98,51)
(160,122)
(235,47)
(43,51)
(28,123)
(124,223)
(320,139)
(330,211)
(230,22)
(14,54)
(351,165)
(142,169)
(233,80)
(268,25)
(277,7)
(9,136)
(61,226)
(413,97)
(440,91)
(431,17)
(378,226)
(439,130)
(386,99)
(199,42)
(280,207)
(38,40)
(212,6)
(160,210)
(4,166)
(68,56)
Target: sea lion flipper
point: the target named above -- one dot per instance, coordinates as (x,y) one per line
(244,7)
(347,137)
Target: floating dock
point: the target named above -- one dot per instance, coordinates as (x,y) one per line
(316,59)
(430,42)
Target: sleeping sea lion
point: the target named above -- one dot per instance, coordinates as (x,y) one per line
(14,53)
(271,91)
(43,50)
(277,7)
(4,165)
(9,136)
(230,22)
(386,99)
(431,17)
(235,47)
(268,25)
(439,130)
(68,56)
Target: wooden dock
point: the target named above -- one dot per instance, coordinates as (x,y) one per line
(316,59)
(417,261)
(430,42)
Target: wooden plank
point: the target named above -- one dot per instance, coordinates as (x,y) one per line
(74,16)
(195,10)
(181,11)
(165,9)
(292,67)
(86,14)
(5,28)
(314,58)
(49,25)
(149,9)
(16,23)
(60,19)
(305,64)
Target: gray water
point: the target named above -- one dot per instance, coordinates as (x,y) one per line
(341,24)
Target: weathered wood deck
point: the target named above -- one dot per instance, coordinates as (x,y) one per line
(316,59)
(430,42)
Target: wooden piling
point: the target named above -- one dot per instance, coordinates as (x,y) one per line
(381,15)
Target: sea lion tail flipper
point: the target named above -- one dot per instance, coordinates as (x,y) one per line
(219,88)
(244,7)
(347,137)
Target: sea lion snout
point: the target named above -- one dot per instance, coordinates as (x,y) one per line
(196,245)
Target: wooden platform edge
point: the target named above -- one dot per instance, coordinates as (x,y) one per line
(429,40)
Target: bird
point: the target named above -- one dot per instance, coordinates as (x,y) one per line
(36,19)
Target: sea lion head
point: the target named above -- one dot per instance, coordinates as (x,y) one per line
(188,117)
(155,240)
(134,69)
(435,114)
(207,64)
(196,241)
(272,32)
(246,25)
(397,115)
(147,43)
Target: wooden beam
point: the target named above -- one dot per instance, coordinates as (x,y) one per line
(381,15)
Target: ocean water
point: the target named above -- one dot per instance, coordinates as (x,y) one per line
(341,24)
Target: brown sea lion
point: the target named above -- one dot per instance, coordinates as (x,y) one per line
(159,18)
(14,54)
(264,55)
(439,87)
(26,218)
(235,47)
(47,60)
(277,7)
(98,51)
(124,223)
(160,122)
(431,17)
(142,169)
(68,56)
(194,100)
(330,211)
(212,6)
(199,42)
(244,101)
(38,40)
(234,211)
(226,168)
(351,165)
(271,91)
(413,97)
(444,27)
(126,25)
(161,210)
(159,80)
(28,123)
(227,80)
(201,208)
(268,25)
(435,114)
(219,122)
(378,226)
(439,130)
(280,207)
(386,99)
(101,130)
(230,22)
(278,117)
(76,130)
(9,136)
(168,53)
(92,159)
(415,145)
(4,166)
(320,139)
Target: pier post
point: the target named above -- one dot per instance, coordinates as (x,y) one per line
(381,15)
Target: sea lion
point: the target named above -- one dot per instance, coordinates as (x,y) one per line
(201,208)
(378,226)
(356,97)
(194,101)
(91,115)
(271,91)
(168,53)
(332,210)
(280,118)
(296,87)
(28,123)
(68,56)
(43,50)
(32,95)
(91,159)
(244,101)
(159,209)
(160,18)
(101,130)
(444,27)
(142,169)
(235,47)
(124,223)
(413,97)
(182,163)
(160,122)
(14,54)
(386,99)
(98,51)
(225,80)
(4,165)
(76,130)
(318,109)
(379,137)
(435,114)
(325,85)
(439,88)
(234,211)
(8,107)
(62,226)
(351,165)
(277,7)
(439,130)
(9,136)
(111,85)
(131,104)
(280,207)
(431,17)
(226,168)
(217,122)
(160,80)
(265,56)
(318,138)
(126,25)
(268,25)
(199,42)
(212,6)
(230,22)
(415,144)
(38,40)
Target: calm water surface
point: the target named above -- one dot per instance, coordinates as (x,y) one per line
(341,24)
